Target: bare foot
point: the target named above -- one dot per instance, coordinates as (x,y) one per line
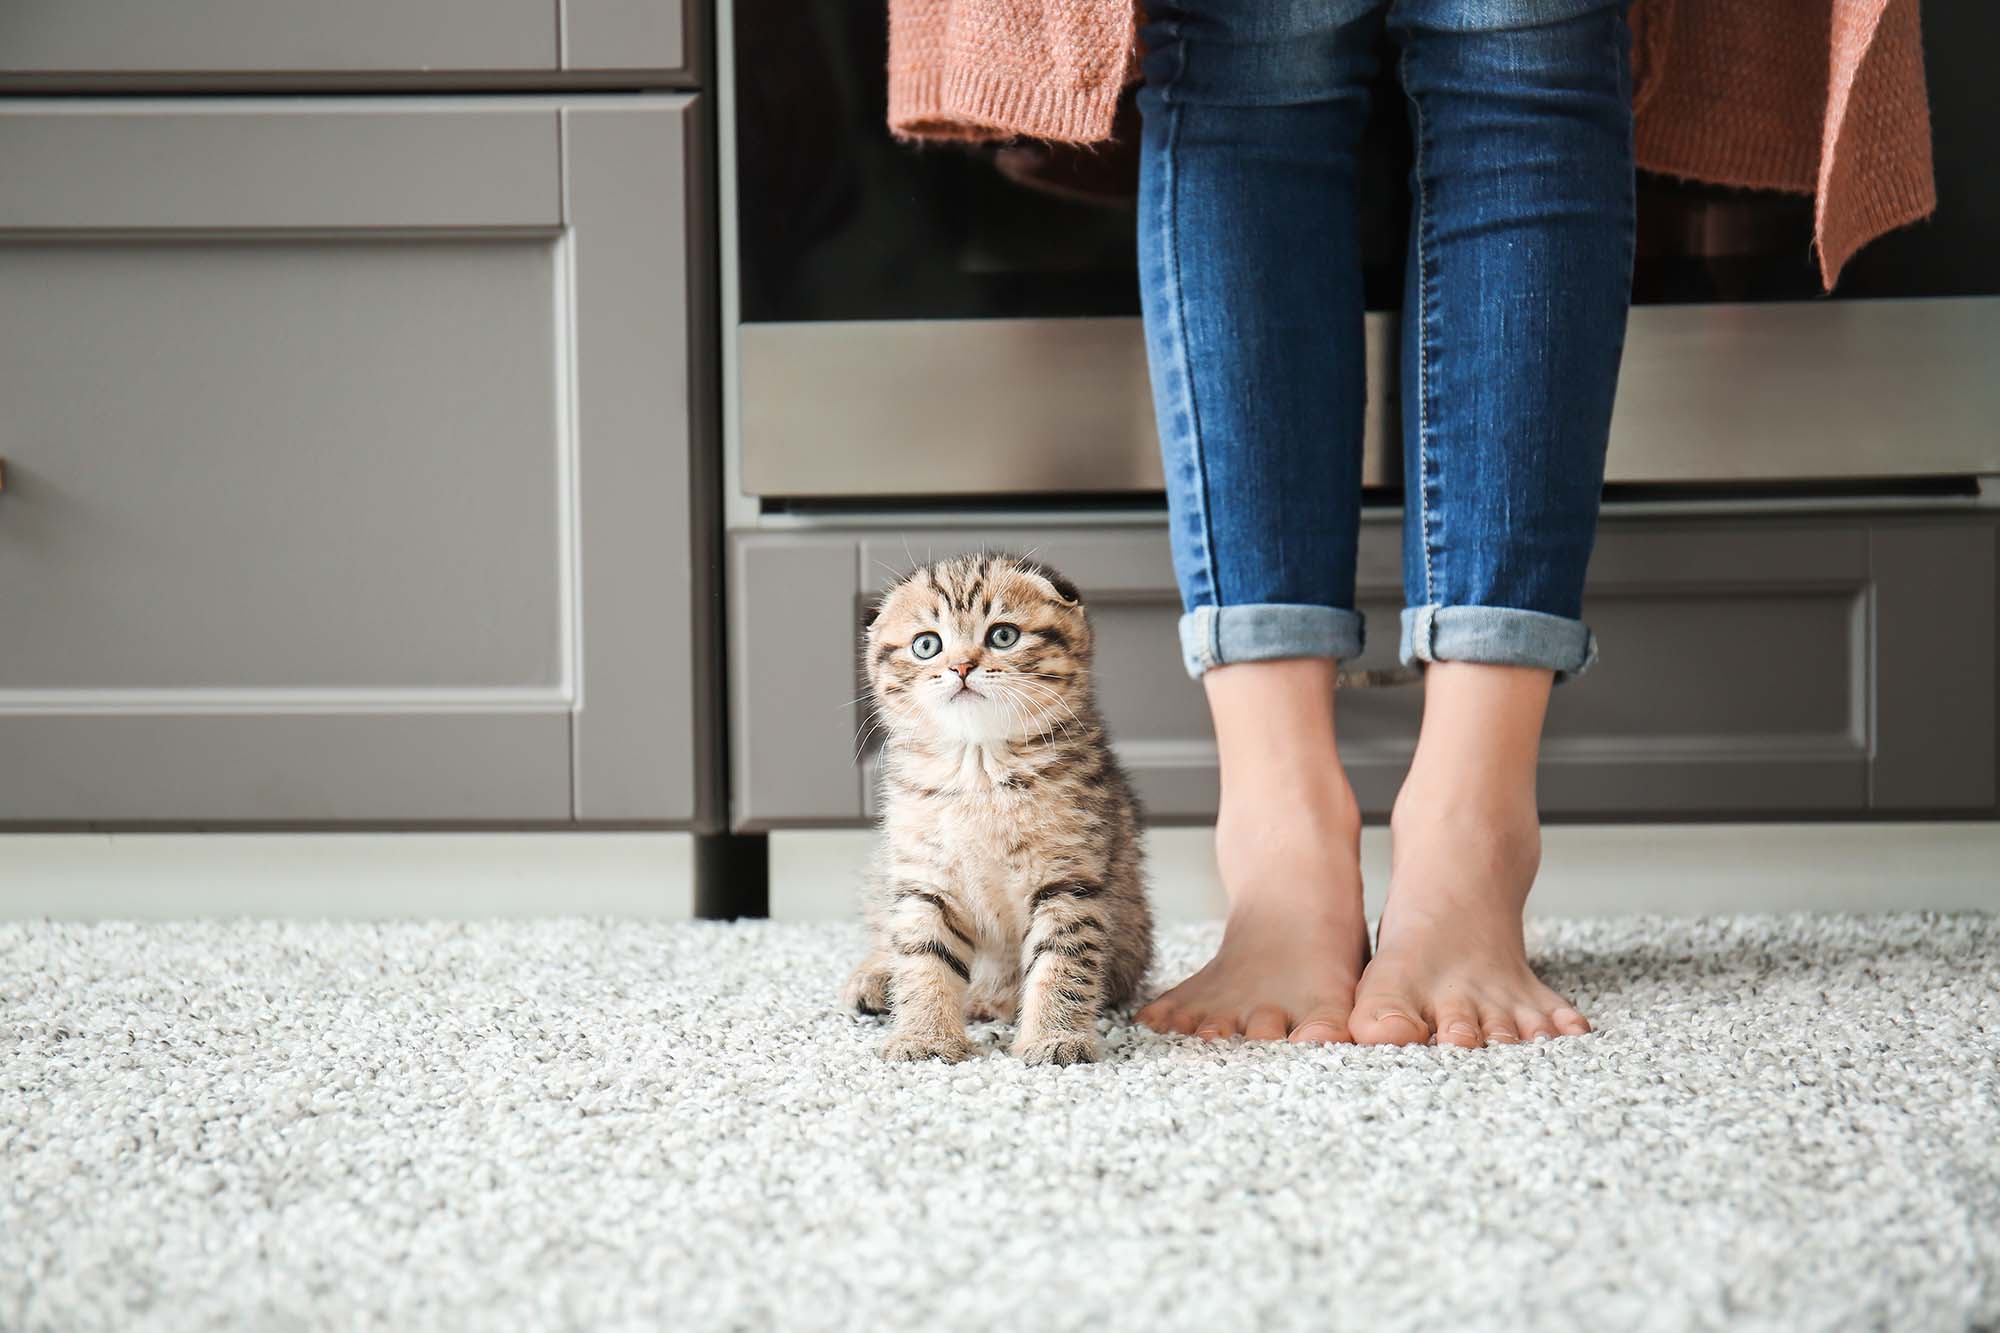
(1296,937)
(1452,965)
(1288,840)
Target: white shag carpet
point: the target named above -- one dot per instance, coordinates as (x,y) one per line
(1782,1123)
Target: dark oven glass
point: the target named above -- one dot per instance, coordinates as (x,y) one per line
(837,221)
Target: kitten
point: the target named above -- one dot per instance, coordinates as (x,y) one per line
(1006,879)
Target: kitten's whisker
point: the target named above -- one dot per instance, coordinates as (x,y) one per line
(875,724)
(1041,716)
(1023,690)
(1055,725)
(1001,691)
(1056,698)
(1036,720)
(1041,676)
(997,691)
(1008,702)
(1054,694)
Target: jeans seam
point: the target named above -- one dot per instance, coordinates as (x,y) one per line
(1173,230)
(1621,60)
(1423,315)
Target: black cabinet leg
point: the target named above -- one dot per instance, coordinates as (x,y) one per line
(732,876)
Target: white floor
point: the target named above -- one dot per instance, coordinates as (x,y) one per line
(1679,870)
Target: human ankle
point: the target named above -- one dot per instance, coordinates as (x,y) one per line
(1467,782)
(1486,836)
(1285,814)
(1480,743)
(1290,857)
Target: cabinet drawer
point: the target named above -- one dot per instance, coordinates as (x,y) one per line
(144,45)
(326,422)
(1754,667)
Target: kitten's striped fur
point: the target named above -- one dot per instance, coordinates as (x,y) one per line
(1006,881)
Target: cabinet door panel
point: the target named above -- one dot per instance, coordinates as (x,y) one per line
(83,36)
(292,528)
(246,467)
(144,44)
(628,200)
(333,166)
(1752,666)
(1937,615)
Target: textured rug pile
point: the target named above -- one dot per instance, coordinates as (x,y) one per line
(1782,1123)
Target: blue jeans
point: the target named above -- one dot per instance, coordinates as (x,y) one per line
(1520,268)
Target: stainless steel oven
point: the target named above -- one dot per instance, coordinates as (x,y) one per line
(942,323)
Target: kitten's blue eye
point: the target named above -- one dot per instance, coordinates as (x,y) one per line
(1002,636)
(926,646)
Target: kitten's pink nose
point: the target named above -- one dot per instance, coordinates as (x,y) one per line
(963,669)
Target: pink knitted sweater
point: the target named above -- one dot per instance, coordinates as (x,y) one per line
(1819,97)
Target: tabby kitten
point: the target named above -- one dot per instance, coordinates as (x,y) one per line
(1006,880)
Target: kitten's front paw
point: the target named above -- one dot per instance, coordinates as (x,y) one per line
(1062,1048)
(950,1048)
(990,1008)
(867,991)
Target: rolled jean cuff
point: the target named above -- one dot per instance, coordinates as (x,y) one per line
(1213,636)
(1500,635)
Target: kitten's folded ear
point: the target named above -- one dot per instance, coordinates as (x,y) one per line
(1064,589)
(874,614)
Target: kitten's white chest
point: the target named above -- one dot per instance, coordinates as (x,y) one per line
(972,828)
(981,769)
(981,834)
(975,821)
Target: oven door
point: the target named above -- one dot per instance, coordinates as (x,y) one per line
(943,322)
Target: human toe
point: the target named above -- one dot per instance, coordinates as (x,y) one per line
(1499,1027)
(1323,1027)
(1267,1022)
(1166,1016)
(1388,1020)
(1216,1027)
(1569,1022)
(1534,1025)
(1458,1025)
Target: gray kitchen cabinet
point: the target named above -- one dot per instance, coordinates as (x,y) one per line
(143,45)
(1754,666)
(346,454)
